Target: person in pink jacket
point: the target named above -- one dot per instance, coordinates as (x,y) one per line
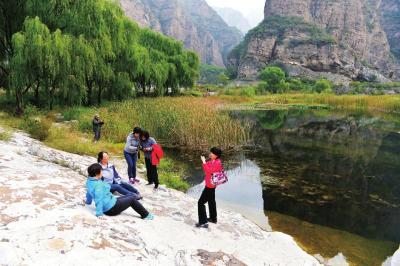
(211,166)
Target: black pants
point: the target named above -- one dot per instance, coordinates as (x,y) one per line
(97,134)
(208,195)
(124,203)
(152,174)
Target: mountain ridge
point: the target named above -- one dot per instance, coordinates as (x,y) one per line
(315,37)
(193,22)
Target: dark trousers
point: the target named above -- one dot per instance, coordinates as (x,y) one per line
(208,195)
(124,189)
(97,134)
(124,203)
(152,174)
(131,159)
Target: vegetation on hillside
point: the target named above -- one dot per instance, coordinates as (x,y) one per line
(213,75)
(278,26)
(60,52)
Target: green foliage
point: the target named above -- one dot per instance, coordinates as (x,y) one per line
(210,74)
(194,93)
(273,80)
(35,124)
(248,92)
(223,79)
(323,85)
(170,175)
(176,121)
(372,88)
(82,52)
(272,75)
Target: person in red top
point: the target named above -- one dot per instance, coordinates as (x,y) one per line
(214,165)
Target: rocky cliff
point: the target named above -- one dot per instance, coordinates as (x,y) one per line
(193,22)
(390,10)
(318,38)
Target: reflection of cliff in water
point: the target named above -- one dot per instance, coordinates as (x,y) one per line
(339,171)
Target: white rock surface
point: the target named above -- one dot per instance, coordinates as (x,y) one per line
(42,222)
(394,260)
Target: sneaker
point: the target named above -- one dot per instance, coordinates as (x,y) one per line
(149,217)
(150,183)
(211,221)
(199,225)
(136,180)
(132,181)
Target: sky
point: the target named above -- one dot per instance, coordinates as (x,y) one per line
(253,10)
(245,6)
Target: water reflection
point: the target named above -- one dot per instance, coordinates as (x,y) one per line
(337,170)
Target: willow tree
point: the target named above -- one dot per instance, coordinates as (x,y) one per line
(12,16)
(28,64)
(75,51)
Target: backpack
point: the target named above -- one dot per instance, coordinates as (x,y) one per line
(219,178)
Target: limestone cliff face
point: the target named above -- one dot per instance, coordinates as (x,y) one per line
(331,38)
(390,10)
(193,22)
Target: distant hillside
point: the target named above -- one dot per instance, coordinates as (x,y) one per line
(234,18)
(193,22)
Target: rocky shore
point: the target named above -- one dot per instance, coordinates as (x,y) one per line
(42,221)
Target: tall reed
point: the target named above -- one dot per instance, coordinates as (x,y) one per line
(184,122)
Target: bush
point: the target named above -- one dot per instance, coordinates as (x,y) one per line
(274,77)
(37,127)
(193,93)
(323,85)
(248,92)
(262,87)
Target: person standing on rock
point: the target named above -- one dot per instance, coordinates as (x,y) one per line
(106,204)
(214,165)
(97,123)
(131,152)
(111,176)
(146,143)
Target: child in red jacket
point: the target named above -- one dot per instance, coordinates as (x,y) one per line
(214,165)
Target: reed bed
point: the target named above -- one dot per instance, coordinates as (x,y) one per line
(378,103)
(184,122)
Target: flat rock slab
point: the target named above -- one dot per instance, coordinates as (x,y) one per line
(43,222)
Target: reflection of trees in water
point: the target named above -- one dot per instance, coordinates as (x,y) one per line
(328,172)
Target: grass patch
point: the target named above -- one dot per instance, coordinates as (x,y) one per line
(5,135)
(389,104)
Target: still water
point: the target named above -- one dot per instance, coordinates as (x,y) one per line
(329,179)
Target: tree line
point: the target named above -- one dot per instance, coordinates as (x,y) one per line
(66,52)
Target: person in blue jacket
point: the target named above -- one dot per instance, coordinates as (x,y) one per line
(111,176)
(106,204)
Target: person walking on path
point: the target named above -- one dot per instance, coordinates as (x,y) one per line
(106,204)
(131,152)
(111,176)
(97,124)
(214,165)
(146,143)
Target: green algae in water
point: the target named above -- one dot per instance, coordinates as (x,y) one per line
(328,242)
